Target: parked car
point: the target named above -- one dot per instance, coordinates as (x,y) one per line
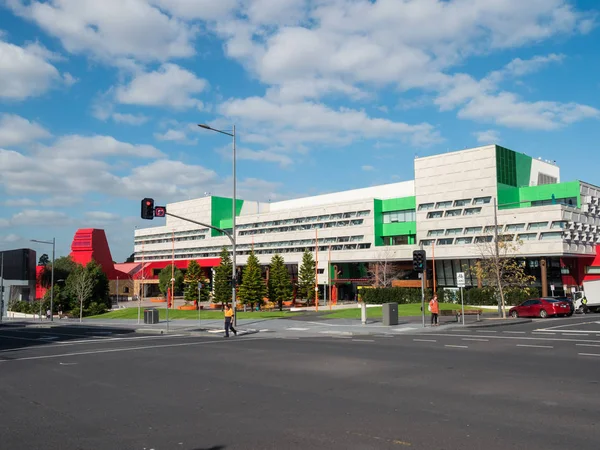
(541,307)
(565,299)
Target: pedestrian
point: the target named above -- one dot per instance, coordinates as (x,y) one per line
(434,308)
(48,314)
(229,320)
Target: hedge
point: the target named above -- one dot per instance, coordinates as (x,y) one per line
(402,296)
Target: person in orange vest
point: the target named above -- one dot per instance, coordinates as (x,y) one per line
(229,320)
(434,308)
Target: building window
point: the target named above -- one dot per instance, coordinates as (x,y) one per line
(399,240)
(435,233)
(364,246)
(591,270)
(482,200)
(551,236)
(546,179)
(453,231)
(125,290)
(515,227)
(463,240)
(464,202)
(527,237)
(427,242)
(473,230)
(403,216)
(435,215)
(445,241)
(491,229)
(562,224)
(506,238)
(537,225)
(472,211)
(483,239)
(453,212)
(446,204)
(425,206)
(363,213)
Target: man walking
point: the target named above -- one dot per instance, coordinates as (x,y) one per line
(434,308)
(229,321)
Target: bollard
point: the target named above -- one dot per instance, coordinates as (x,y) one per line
(363,313)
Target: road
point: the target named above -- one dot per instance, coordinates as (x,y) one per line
(498,388)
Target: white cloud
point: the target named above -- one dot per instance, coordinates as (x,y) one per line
(130,119)
(272,154)
(112,30)
(172,135)
(368,168)
(101,216)
(520,67)
(197,9)
(16,130)
(24,71)
(170,85)
(10,238)
(34,217)
(76,146)
(487,136)
(19,202)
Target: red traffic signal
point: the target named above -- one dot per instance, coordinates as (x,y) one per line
(148,208)
(160,211)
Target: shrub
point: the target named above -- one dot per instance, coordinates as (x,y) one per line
(402,296)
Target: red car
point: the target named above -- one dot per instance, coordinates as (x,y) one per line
(541,307)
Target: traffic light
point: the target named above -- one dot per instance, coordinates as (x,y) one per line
(148,208)
(419,261)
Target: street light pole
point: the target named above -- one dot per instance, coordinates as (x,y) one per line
(234,211)
(1,286)
(53,243)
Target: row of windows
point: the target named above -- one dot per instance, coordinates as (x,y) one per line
(514,227)
(164,241)
(455,203)
(551,235)
(453,213)
(312,226)
(168,237)
(270,251)
(407,215)
(311,219)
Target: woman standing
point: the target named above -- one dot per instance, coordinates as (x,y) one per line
(229,320)
(434,308)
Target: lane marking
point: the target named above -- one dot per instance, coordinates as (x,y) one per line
(424,340)
(577,335)
(484,331)
(522,338)
(576,324)
(535,346)
(588,345)
(476,339)
(456,346)
(363,340)
(297,329)
(514,332)
(543,333)
(125,349)
(589,354)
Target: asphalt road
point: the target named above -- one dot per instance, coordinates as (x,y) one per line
(83,388)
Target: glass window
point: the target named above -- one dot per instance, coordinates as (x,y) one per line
(435,215)
(592,270)
(435,233)
(453,231)
(453,212)
(464,202)
(348,215)
(473,230)
(482,239)
(445,241)
(506,237)
(425,206)
(527,237)
(482,200)
(515,227)
(427,242)
(363,246)
(463,240)
(537,225)
(363,213)
(472,211)
(407,215)
(559,225)
(446,204)
(336,216)
(551,235)
(491,229)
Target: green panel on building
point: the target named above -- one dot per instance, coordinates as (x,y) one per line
(221,213)
(398,204)
(525,197)
(388,230)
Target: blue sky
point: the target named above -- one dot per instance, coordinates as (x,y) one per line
(99,100)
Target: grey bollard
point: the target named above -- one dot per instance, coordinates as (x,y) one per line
(390,313)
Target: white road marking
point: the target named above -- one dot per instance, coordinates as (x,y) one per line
(19,338)
(264,330)
(456,346)
(535,346)
(341,333)
(577,335)
(514,332)
(523,338)
(363,340)
(424,340)
(576,324)
(588,345)
(588,354)
(475,339)
(401,329)
(125,349)
(297,329)
(486,331)
(543,333)
(67,364)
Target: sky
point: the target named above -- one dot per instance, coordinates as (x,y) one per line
(100,100)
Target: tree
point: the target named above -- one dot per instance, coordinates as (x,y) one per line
(500,269)
(222,279)
(82,283)
(192,278)
(205,291)
(164,279)
(131,258)
(307,277)
(384,271)
(101,289)
(44,260)
(252,289)
(280,283)
(63,267)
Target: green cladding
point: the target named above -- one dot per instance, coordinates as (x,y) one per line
(523,197)
(221,213)
(385,230)
(512,168)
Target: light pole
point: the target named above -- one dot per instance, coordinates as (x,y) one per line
(117,292)
(233,234)
(1,286)
(53,243)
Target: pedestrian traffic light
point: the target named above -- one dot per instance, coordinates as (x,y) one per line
(419,261)
(148,208)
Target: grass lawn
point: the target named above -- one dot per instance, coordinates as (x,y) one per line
(132,313)
(412,309)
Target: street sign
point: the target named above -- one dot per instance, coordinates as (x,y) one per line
(551,287)
(460,279)
(160,211)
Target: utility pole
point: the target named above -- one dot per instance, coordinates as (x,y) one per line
(2,287)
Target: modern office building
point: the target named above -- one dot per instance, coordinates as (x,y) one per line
(450,208)
(17,275)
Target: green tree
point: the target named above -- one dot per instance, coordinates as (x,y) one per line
(205,290)
(101,289)
(44,260)
(63,267)
(192,278)
(280,283)
(306,277)
(221,281)
(131,258)
(164,279)
(82,284)
(252,289)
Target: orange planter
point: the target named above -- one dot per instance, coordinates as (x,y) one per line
(215,306)
(187,308)
(290,303)
(158,300)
